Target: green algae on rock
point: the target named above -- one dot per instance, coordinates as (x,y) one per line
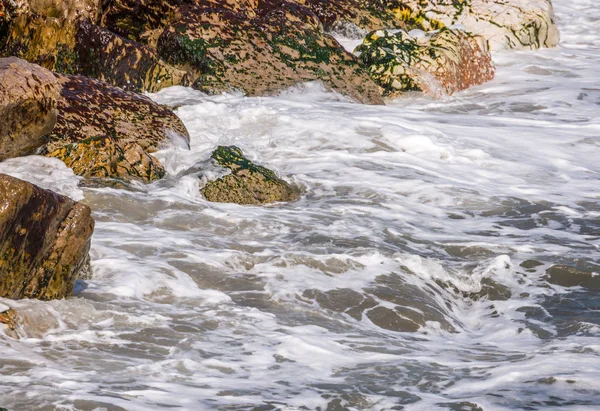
(442,62)
(260,48)
(44,241)
(248,183)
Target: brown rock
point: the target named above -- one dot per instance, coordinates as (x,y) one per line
(261,51)
(103,131)
(566,276)
(28,96)
(44,241)
(124,63)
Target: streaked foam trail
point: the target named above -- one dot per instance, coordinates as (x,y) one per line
(435,216)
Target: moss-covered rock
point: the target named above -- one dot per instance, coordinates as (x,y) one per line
(95,128)
(261,50)
(28,98)
(44,241)
(442,62)
(248,183)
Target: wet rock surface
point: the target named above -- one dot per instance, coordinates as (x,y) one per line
(28,99)
(97,129)
(514,24)
(438,64)
(261,51)
(44,241)
(102,130)
(248,183)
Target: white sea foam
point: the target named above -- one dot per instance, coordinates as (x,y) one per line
(431,208)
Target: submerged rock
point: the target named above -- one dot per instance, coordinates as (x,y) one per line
(442,62)
(248,183)
(514,24)
(44,241)
(28,98)
(566,276)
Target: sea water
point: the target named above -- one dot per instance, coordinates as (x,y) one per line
(411,274)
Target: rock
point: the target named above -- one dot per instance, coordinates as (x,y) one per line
(104,55)
(515,24)
(9,318)
(103,157)
(261,51)
(139,19)
(81,47)
(566,276)
(442,62)
(28,98)
(44,241)
(95,128)
(368,14)
(103,131)
(248,183)
(391,320)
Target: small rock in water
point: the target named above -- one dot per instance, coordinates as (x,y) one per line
(248,183)
(566,276)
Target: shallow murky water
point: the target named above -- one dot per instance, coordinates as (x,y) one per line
(414,273)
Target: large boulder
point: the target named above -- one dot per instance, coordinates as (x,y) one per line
(248,183)
(438,64)
(261,51)
(104,131)
(44,241)
(514,24)
(97,129)
(28,98)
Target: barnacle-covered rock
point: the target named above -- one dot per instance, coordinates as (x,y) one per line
(442,62)
(44,241)
(248,183)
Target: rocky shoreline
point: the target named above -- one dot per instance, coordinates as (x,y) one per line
(72,74)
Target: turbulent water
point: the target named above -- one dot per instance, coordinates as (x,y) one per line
(412,273)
